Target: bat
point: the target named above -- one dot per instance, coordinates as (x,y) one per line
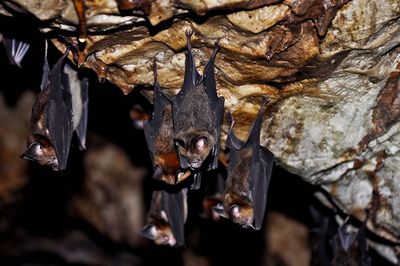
(159,132)
(350,245)
(15,50)
(197,117)
(166,218)
(249,173)
(58,111)
(324,229)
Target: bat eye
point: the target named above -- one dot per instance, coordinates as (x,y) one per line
(179,143)
(200,144)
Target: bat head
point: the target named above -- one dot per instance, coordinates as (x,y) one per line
(160,233)
(193,148)
(242,215)
(42,153)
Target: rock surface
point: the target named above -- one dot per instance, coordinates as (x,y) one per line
(330,69)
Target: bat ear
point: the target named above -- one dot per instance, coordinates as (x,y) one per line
(234,211)
(219,209)
(256,128)
(232,140)
(46,68)
(149,231)
(32,152)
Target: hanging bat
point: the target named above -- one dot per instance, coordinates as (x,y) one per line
(325,228)
(350,247)
(15,50)
(249,174)
(56,113)
(197,116)
(166,218)
(159,132)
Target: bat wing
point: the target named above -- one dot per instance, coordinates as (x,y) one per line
(191,76)
(216,103)
(219,119)
(346,239)
(260,178)
(82,125)
(59,117)
(16,50)
(365,259)
(46,68)
(260,169)
(174,206)
(160,101)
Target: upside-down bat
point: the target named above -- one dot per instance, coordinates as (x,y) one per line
(249,174)
(337,245)
(350,247)
(59,110)
(166,218)
(197,116)
(159,133)
(15,50)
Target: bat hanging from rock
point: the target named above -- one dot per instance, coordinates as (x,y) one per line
(59,110)
(159,132)
(166,218)
(249,174)
(197,117)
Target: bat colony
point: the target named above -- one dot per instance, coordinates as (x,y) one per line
(183,139)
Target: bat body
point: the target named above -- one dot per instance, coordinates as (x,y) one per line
(57,112)
(159,132)
(249,173)
(166,218)
(197,116)
(15,50)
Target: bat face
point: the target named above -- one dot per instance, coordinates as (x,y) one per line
(159,231)
(194,146)
(197,113)
(249,172)
(43,153)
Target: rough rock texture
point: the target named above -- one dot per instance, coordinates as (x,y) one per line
(111,199)
(330,69)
